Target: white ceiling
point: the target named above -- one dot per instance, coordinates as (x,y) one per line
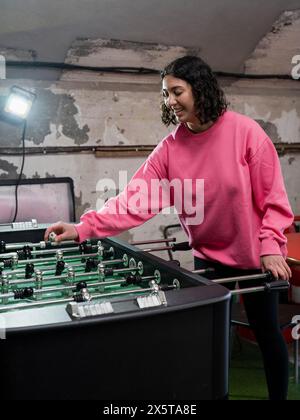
(227,31)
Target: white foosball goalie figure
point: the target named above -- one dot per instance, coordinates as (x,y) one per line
(52,237)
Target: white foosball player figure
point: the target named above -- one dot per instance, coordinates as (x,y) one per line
(52,237)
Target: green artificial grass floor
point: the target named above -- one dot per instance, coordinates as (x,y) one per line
(246,374)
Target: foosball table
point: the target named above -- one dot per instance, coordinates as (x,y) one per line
(105,320)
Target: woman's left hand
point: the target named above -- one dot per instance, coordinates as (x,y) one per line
(277,265)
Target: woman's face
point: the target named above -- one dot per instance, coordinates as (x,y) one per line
(179,97)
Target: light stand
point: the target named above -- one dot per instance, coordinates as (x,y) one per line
(16,111)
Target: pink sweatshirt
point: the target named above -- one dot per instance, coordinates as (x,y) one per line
(245,205)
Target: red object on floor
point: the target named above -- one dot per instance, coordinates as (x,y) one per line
(293,259)
(286,312)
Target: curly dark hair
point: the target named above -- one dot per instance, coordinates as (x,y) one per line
(210,101)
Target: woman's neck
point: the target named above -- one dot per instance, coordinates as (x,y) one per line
(198,127)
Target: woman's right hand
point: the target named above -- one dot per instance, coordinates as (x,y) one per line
(64,232)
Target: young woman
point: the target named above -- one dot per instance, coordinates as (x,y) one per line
(246,209)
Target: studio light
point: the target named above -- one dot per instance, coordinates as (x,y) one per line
(18,104)
(16,110)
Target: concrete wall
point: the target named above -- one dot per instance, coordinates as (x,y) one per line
(89,109)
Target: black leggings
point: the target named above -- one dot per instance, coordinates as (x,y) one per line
(262,313)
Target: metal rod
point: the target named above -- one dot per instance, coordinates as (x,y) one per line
(46,269)
(108,262)
(296,350)
(6,295)
(148,289)
(163,248)
(41,252)
(41,244)
(293,261)
(18,246)
(22,281)
(14,272)
(50,259)
(57,301)
(8,255)
(53,251)
(125,292)
(275,286)
(124,270)
(262,276)
(73,286)
(53,278)
(149,278)
(204,270)
(153,241)
(248,290)
(62,243)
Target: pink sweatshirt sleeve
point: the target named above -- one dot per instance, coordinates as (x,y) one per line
(130,208)
(270,197)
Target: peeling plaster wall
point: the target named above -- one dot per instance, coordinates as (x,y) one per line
(65,114)
(274,53)
(112,52)
(12,54)
(84,109)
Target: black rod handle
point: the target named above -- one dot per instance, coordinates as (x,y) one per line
(277,286)
(181,246)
